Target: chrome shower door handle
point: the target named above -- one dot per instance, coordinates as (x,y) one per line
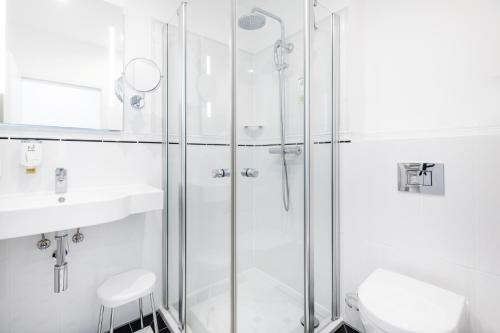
(250,172)
(221,173)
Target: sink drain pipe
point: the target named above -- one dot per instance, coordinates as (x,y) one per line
(61,266)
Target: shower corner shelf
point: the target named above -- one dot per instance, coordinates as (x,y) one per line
(253,131)
(253,127)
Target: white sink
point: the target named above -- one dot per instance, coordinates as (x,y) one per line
(30,214)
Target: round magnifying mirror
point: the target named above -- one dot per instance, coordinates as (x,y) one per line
(143,75)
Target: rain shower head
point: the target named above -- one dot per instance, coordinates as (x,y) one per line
(256,19)
(252,21)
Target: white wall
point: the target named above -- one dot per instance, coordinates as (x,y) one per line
(423,87)
(411,75)
(27,301)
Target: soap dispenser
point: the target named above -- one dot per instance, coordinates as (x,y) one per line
(31,155)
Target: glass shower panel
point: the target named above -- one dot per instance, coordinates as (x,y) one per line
(201,61)
(270,182)
(322,161)
(208,163)
(172,56)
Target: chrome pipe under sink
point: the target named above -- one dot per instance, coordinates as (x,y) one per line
(61,266)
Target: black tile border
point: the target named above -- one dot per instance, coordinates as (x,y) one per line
(161,142)
(82,140)
(209,144)
(16,138)
(29,138)
(119,141)
(151,142)
(256,145)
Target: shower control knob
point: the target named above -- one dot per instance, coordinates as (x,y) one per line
(249,172)
(221,173)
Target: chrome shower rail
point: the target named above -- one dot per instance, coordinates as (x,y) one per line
(183,190)
(165,263)
(335,38)
(308,229)
(234,147)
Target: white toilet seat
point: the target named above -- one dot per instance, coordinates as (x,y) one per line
(394,303)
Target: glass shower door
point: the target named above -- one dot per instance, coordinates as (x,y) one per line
(209,162)
(251,232)
(173,65)
(270,166)
(286,166)
(325,48)
(198,159)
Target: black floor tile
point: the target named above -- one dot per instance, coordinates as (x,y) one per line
(148,320)
(162,327)
(122,329)
(349,329)
(346,329)
(136,325)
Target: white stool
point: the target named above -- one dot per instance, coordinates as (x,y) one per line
(124,288)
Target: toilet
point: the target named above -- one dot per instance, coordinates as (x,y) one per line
(393,303)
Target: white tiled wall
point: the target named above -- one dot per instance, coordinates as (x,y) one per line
(423,87)
(450,240)
(27,300)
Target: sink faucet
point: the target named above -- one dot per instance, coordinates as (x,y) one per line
(61,184)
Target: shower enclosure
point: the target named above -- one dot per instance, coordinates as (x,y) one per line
(250,163)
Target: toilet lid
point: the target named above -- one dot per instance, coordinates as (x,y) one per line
(399,304)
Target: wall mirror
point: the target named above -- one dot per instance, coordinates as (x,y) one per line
(62,60)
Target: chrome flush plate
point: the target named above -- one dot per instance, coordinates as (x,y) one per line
(421,178)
